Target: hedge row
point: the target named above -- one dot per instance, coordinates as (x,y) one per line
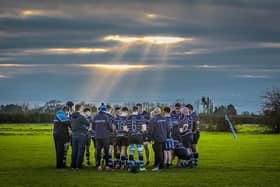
(26,117)
(218,123)
(208,122)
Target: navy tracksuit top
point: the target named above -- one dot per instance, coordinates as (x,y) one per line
(102,125)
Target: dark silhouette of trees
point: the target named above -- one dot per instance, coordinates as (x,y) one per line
(11,108)
(271,109)
(207,105)
(222,110)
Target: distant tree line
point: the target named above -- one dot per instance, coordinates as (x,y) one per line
(212,117)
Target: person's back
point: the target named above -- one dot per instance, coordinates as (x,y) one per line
(195,120)
(145,116)
(61,125)
(61,135)
(136,128)
(79,124)
(176,115)
(101,125)
(120,123)
(158,131)
(134,124)
(121,137)
(159,128)
(169,122)
(176,135)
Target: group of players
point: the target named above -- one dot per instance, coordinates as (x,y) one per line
(117,133)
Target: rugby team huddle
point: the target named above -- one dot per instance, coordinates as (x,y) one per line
(117,133)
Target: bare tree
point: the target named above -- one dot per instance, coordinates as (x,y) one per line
(271,109)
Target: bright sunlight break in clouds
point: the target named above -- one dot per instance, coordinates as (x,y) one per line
(27,13)
(116,67)
(148,39)
(76,50)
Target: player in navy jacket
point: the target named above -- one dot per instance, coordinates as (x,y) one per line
(101,124)
(158,132)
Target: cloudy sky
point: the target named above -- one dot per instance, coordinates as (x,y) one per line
(117,51)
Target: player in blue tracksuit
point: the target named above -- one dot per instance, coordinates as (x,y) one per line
(169,144)
(186,131)
(61,135)
(158,133)
(196,134)
(145,117)
(135,128)
(121,137)
(101,124)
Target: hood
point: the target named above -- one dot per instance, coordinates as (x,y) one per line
(75,115)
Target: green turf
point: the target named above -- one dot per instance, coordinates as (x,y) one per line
(252,128)
(27,158)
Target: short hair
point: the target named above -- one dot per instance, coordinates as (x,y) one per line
(189,106)
(134,108)
(117,108)
(166,109)
(177,105)
(124,109)
(139,105)
(70,104)
(78,107)
(108,107)
(86,110)
(66,109)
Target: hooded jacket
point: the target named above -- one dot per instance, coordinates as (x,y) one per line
(79,124)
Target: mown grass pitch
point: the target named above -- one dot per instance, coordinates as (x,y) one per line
(27,158)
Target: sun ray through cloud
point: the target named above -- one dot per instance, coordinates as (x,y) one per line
(157,40)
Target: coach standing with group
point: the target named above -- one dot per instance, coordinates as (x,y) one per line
(79,126)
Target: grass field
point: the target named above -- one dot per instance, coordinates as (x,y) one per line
(27,158)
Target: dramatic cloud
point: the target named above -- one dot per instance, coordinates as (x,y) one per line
(139,50)
(2,76)
(252,76)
